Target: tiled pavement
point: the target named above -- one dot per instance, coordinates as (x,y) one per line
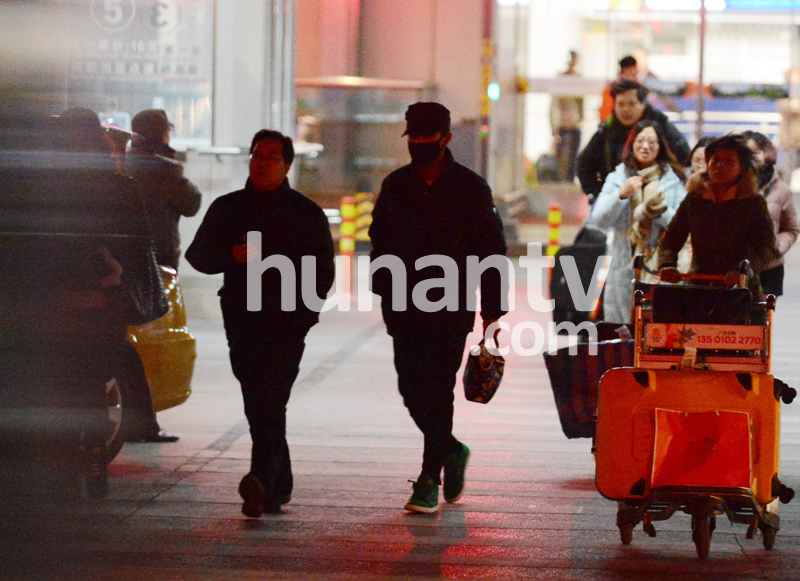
(530,510)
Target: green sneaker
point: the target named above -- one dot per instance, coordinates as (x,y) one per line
(454,467)
(425,497)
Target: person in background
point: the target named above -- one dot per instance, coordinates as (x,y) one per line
(658,98)
(566,116)
(781,208)
(725,215)
(434,206)
(266,345)
(603,153)
(696,162)
(167,194)
(628,69)
(637,202)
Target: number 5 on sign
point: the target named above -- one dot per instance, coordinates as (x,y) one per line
(113,15)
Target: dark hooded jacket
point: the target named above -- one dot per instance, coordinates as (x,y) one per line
(722,234)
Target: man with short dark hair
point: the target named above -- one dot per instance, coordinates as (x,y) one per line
(266,345)
(628,69)
(167,194)
(434,207)
(604,151)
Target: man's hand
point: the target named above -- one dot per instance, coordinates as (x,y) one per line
(244,253)
(486,324)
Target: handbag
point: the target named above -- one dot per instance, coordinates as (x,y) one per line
(482,374)
(151,299)
(141,281)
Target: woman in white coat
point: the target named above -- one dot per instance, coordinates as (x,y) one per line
(638,200)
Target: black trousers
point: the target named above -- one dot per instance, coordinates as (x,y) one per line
(426,371)
(266,368)
(141,417)
(772,280)
(567,153)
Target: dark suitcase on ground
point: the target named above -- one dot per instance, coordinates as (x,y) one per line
(590,244)
(575,380)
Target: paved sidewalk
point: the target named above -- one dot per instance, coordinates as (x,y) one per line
(530,509)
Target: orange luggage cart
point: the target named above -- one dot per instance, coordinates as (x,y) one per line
(694,426)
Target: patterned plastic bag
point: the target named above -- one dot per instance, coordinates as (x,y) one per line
(482,374)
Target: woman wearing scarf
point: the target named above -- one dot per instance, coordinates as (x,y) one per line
(638,200)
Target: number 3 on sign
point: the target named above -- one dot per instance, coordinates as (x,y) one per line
(163,15)
(113,15)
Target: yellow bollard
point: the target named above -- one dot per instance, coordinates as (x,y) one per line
(347,227)
(365,202)
(554,221)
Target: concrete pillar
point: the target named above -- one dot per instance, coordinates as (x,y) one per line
(253,69)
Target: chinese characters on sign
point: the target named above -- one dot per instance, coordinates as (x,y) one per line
(130,55)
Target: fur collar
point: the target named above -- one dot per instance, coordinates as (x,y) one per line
(744,188)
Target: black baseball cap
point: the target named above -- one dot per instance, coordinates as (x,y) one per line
(426,118)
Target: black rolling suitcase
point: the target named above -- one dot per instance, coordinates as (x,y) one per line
(589,245)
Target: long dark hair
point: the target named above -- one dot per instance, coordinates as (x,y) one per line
(764,174)
(702,142)
(764,144)
(665,157)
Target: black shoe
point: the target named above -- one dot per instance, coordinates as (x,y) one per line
(159,437)
(252,492)
(275,505)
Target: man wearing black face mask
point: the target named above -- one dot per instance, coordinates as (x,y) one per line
(435,209)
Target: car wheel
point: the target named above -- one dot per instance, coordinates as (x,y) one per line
(114,408)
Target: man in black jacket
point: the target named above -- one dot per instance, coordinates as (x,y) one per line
(428,213)
(604,151)
(167,194)
(266,345)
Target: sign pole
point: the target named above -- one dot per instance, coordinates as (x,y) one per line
(700,80)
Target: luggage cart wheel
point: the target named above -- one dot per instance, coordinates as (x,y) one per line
(768,536)
(649,529)
(702,536)
(626,533)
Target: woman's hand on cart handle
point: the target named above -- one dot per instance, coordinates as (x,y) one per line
(732,278)
(669,274)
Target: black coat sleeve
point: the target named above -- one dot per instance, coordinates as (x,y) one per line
(211,251)
(487,239)
(676,141)
(324,253)
(590,164)
(380,236)
(675,236)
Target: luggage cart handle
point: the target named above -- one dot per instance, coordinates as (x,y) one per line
(672,275)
